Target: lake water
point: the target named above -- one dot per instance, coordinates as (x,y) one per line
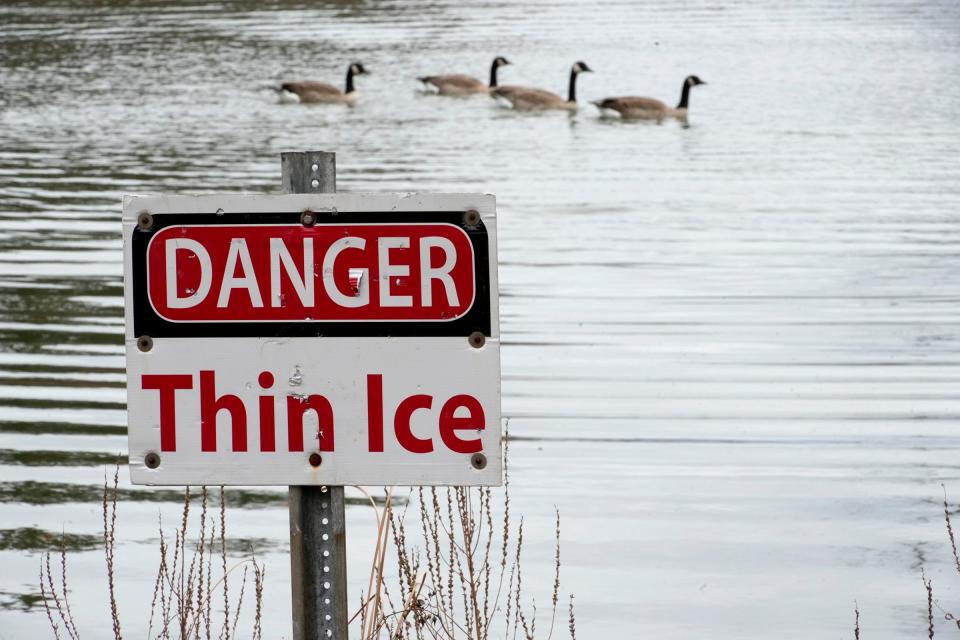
(731,351)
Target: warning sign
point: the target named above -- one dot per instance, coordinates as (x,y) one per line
(313,339)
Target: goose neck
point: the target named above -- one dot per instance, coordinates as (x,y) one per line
(684,96)
(350,87)
(572,93)
(493,74)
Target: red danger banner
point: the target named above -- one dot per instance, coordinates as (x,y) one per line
(374,272)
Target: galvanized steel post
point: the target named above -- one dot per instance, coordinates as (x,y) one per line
(318,544)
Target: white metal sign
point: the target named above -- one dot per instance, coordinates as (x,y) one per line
(313,339)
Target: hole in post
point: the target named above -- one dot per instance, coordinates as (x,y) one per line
(324,521)
(325,537)
(314,183)
(314,166)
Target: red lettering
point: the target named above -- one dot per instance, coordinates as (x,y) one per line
(450,423)
(268,426)
(210,405)
(296,407)
(401,424)
(167,385)
(375,413)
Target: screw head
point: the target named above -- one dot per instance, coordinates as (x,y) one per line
(145,343)
(151,460)
(478,461)
(315,459)
(145,221)
(477,339)
(308,218)
(471,218)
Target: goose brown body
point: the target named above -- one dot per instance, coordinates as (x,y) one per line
(456,84)
(310,91)
(461,84)
(640,107)
(532,99)
(634,105)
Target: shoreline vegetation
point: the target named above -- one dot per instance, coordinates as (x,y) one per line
(185,592)
(459,573)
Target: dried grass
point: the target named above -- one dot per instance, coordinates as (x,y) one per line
(455,579)
(458,577)
(183,592)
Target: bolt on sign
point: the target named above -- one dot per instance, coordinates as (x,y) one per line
(314,339)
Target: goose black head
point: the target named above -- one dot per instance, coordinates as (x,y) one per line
(693,81)
(500,61)
(580,67)
(358,69)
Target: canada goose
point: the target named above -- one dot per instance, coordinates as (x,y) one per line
(321,92)
(529,98)
(635,107)
(459,84)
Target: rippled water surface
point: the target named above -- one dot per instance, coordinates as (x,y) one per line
(731,351)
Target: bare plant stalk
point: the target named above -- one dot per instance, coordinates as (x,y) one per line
(928,585)
(208,613)
(183,597)
(201,548)
(573,622)
(70,624)
(856,621)
(243,586)
(258,575)
(556,576)
(516,563)
(46,604)
(159,581)
(109,532)
(225,633)
(166,598)
(953,542)
(53,592)
(485,496)
(513,569)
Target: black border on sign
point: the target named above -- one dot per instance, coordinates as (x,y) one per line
(147,322)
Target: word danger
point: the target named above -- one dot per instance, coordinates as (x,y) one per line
(328,272)
(458,419)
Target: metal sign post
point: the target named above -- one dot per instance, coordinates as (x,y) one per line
(318,539)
